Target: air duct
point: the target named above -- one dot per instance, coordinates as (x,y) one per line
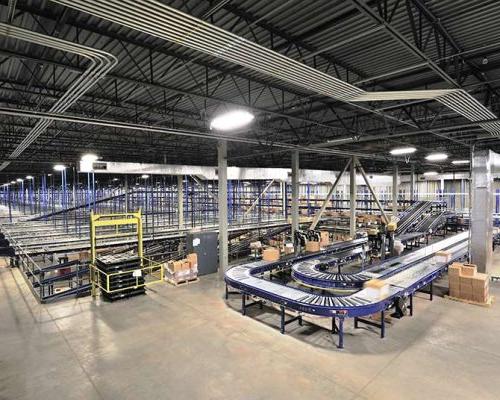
(159,20)
(100,63)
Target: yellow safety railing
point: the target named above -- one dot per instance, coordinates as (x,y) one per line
(152,271)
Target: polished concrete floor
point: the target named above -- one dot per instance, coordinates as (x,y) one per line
(187,343)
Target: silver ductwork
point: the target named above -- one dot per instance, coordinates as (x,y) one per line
(100,63)
(159,20)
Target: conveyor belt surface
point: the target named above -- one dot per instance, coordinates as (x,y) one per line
(405,275)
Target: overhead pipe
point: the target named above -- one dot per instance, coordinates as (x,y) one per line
(181,132)
(100,63)
(159,20)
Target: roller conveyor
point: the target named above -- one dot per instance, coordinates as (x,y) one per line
(309,272)
(405,275)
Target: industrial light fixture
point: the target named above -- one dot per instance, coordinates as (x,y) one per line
(231,120)
(399,151)
(19,180)
(59,167)
(436,157)
(430,173)
(145,176)
(29,177)
(115,179)
(89,157)
(12,182)
(460,162)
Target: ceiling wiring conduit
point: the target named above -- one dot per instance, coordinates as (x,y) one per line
(159,20)
(100,63)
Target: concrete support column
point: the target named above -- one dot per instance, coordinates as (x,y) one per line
(352,198)
(481,219)
(412,183)
(295,192)
(180,201)
(222,200)
(283,198)
(395,191)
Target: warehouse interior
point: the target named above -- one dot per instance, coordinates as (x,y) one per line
(249,199)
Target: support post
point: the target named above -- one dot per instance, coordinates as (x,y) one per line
(126,193)
(328,197)
(352,198)
(481,219)
(180,201)
(222,200)
(295,192)
(395,191)
(283,199)
(412,183)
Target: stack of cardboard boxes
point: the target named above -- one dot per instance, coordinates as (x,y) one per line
(182,270)
(468,284)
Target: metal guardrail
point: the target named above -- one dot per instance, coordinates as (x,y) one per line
(46,282)
(152,272)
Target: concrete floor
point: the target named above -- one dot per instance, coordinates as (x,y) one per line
(187,343)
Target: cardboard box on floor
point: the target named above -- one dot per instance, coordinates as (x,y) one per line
(174,266)
(468,284)
(193,260)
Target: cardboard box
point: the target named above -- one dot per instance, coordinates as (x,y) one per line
(289,249)
(453,281)
(466,296)
(454,270)
(466,281)
(480,281)
(271,254)
(443,256)
(312,247)
(186,265)
(193,260)
(174,266)
(481,296)
(376,288)
(454,292)
(325,238)
(256,245)
(468,270)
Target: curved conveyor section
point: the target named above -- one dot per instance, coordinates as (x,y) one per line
(405,275)
(310,273)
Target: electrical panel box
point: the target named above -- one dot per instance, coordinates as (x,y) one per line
(205,245)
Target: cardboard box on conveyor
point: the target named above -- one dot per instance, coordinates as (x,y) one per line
(376,288)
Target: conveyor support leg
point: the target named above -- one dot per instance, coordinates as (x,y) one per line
(341,333)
